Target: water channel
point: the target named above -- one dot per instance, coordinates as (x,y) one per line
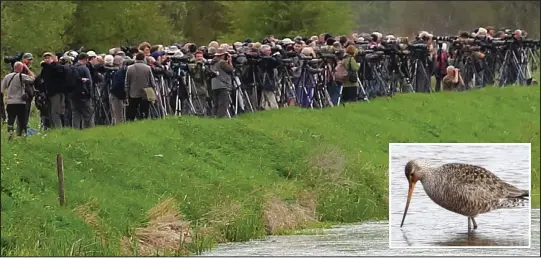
(364,239)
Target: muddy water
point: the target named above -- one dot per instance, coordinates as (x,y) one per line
(428,225)
(364,239)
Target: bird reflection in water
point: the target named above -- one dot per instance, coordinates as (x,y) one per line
(471,239)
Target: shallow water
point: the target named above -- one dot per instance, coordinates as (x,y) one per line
(364,239)
(427,224)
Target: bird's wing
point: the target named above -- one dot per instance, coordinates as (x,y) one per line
(479,183)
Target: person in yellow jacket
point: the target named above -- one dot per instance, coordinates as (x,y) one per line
(351,82)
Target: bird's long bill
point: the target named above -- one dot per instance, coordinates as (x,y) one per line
(410,192)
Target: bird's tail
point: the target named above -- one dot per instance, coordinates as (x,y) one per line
(514,192)
(516,198)
(525,195)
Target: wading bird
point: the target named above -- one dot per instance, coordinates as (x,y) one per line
(465,189)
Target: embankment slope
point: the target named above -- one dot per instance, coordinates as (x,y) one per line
(137,185)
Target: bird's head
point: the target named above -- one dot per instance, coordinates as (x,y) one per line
(414,171)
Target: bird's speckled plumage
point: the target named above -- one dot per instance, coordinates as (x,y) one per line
(466,189)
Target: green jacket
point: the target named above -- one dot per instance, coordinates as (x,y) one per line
(351,64)
(197,74)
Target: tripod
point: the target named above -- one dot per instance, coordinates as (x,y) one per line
(321,94)
(510,67)
(161,97)
(307,85)
(101,113)
(380,72)
(194,103)
(419,70)
(178,86)
(240,96)
(532,61)
(287,89)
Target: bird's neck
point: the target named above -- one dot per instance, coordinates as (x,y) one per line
(425,174)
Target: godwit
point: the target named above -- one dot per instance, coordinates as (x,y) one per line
(464,189)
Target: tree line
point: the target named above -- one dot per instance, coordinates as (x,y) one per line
(39,26)
(444,18)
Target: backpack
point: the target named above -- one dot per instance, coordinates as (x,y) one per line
(341,73)
(352,75)
(81,89)
(117,87)
(71,77)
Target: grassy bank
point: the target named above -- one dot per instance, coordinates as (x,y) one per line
(134,186)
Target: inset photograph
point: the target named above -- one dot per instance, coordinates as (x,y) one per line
(459,195)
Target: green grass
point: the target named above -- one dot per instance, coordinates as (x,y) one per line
(339,155)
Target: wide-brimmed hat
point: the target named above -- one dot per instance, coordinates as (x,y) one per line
(67,58)
(173,50)
(220,51)
(287,41)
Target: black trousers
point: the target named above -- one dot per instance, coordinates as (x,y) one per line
(18,112)
(350,94)
(222,100)
(28,109)
(135,104)
(2,108)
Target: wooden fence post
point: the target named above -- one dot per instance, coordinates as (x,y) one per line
(60,171)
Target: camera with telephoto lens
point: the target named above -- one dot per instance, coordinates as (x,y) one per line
(419,47)
(390,47)
(180,62)
(311,64)
(446,38)
(306,58)
(12,59)
(375,56)
(360,56)
(287,61)
(361,43)
(418,50)
(208,73)
(328,56)
(252,58)
(291,54)
(531,43)
(390,42)
(276,50)
(236,58)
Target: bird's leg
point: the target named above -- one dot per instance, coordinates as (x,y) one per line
(469,224)
(474,223)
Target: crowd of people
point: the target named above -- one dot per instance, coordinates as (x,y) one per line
(83,89)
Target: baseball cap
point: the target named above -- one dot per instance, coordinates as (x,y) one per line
(46,54)
(28,56)
(91,54)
